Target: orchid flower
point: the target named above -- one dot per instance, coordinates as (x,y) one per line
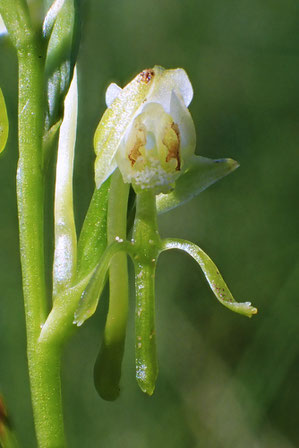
(161,137)
(155,135)
(147,133)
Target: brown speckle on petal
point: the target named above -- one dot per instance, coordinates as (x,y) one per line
(146,75)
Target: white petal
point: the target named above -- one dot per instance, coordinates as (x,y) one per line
(168,80)
(182,117)
(182,83)
(3,29)
(112,92)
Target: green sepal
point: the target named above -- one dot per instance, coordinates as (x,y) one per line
(199,174)
(61,56)
(4,125)
(213,276)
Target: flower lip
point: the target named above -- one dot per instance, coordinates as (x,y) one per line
(151,154)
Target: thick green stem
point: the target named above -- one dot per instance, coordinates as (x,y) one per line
(44,369)
(107,369)
(43,361)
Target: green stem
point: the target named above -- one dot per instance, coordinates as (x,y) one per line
(44,368)
(145,233)
(43,361)
(107,369)
(15,15)
(147,248)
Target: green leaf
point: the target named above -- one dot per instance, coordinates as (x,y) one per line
(212,274)
(61,27)
(199,175)
(3,122)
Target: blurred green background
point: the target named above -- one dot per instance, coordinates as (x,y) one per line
(225,380)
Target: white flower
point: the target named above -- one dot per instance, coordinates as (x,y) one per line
(160,136)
